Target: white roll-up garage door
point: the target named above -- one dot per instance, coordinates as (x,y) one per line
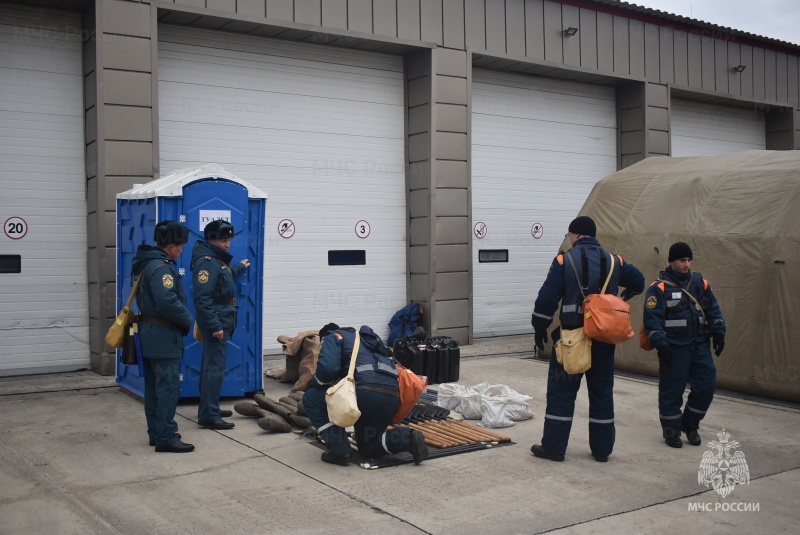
(44,304)
(321,131)
(700,129)
(538,147)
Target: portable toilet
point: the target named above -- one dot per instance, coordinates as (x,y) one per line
(194,197)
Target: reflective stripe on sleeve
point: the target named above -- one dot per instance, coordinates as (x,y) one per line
(569,308)
(542,316)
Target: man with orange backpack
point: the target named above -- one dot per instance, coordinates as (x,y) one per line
(581,270)
(681,313)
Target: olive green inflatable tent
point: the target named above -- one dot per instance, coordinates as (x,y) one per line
(740,213)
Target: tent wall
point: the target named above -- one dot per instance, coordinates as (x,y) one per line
(739,213)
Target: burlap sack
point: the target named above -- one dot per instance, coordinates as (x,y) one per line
(301,353)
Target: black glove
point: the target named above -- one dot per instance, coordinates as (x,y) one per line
(627,294)
(665,354)
(718,343)
(540,338)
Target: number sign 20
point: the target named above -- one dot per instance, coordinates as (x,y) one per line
(15,228)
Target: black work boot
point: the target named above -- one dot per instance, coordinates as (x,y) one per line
(542,453)
(417,446)
(692,436)
(672,437)
(341,460)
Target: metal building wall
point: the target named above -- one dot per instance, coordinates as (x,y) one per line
(649,59)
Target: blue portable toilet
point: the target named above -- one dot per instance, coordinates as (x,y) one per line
(194,197)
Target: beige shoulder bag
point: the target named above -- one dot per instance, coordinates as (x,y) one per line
(341,397)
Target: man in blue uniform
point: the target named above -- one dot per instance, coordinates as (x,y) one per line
(165,322)
(377,393)
(214,295)
(589,267)
(680,314)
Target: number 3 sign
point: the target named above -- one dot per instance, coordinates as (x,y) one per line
(362,229)
(15,228)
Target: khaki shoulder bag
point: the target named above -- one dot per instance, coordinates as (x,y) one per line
(341,397)
(115,337)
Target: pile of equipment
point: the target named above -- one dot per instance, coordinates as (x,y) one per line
(278,416)
(436,358)
(446,435)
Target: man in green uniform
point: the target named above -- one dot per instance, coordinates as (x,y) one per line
(214,291)
(165,322)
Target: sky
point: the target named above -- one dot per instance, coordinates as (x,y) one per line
(777,19)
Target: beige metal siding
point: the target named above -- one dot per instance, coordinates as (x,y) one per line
(534,29)
(621,44)
(553,38)
(570,17)
(474,24)
(453,24)
(588,31)
(431,22)
(637,48)
(605,42)
(666,58)
(496,27)
(515,27)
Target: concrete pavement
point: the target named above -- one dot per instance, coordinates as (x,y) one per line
(74,459)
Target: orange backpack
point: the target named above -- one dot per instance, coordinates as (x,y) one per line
(410,389)
(606,317)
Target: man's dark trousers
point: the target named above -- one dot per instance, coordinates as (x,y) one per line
(562,389)
(691,364)
(162,390)
(212,372)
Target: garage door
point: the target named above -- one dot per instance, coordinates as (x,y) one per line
(705,129)
(538,147)
(321,131)
(44,314)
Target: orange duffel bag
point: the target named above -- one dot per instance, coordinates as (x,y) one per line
(606,317)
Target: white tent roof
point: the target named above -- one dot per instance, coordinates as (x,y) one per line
(172,184)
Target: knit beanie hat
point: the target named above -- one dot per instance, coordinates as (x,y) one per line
(679,250)
(583,225)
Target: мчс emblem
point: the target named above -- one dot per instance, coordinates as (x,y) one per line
(651,302)
(167,281)
(202,276)
(724,469)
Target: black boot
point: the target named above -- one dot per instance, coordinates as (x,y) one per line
(672,437)
(692,436)
(341,460)
(417,446)
(539,451)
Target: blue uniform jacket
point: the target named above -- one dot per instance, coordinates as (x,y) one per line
(160,295)
(664,303)
(555,286)
(212,279)
(373,365)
